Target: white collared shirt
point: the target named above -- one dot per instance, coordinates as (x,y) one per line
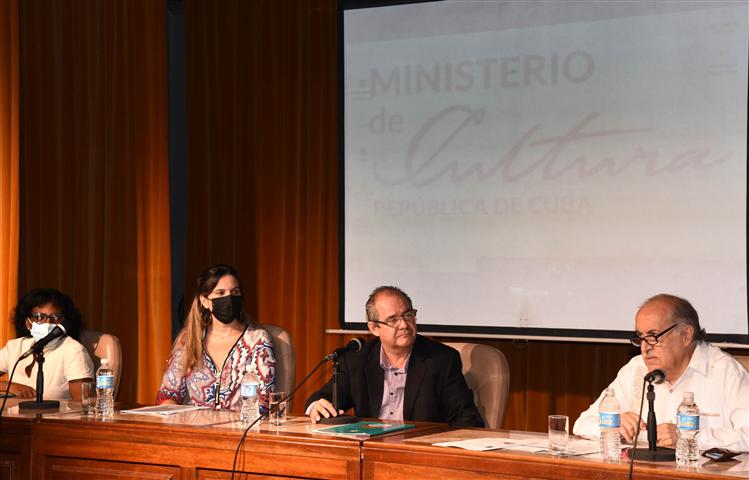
(721,391)
(64,360)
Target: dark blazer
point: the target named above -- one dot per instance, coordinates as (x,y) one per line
(435,388)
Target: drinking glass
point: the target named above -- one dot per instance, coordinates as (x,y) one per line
(559,434)
(88,398)
(277,408)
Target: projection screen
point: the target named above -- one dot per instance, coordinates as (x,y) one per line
(541,168)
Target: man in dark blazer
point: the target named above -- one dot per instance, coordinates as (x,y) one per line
(399,375)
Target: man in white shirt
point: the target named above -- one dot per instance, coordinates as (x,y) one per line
(670,338)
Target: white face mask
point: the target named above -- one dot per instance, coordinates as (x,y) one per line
(40,330)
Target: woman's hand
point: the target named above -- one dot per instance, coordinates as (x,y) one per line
(19,390)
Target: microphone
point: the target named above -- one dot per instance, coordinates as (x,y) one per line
(656,376)
(354,345)
(57,332)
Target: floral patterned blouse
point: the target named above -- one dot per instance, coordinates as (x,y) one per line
(209,386)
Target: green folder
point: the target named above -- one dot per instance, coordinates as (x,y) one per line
(364,429)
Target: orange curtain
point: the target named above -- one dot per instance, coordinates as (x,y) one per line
(152,194)
(9,135)
(94,181)
(263,168)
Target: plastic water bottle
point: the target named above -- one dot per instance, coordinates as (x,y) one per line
(104,391)
(609,420)
(248,390)
(687,429)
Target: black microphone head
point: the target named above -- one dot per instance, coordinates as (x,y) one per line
(656,376)
(355,345)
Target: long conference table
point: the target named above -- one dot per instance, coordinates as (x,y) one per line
(201,445)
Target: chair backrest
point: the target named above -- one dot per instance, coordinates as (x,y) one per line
(744,360)
(487,373)
(285,358)
(103,345)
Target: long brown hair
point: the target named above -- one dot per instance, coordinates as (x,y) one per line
(198,319)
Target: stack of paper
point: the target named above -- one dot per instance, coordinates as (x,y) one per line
(534,445)
(163,410)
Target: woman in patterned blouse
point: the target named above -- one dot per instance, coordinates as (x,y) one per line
(216,345)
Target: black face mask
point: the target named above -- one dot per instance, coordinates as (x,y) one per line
(227,308)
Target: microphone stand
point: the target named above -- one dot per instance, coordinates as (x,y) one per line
(654,453)
(39,404)
(340,419)
(288,397)
(652,423)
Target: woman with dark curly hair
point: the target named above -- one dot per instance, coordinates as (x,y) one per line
(218,342)
(66,362)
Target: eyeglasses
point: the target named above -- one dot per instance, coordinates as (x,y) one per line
(392,321)
(43,317)
(651,339)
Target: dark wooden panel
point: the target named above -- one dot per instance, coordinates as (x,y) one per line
(186,451)
(390,471)
(15,448)
(12,467)
(398,460)
(224,475)
(75,469)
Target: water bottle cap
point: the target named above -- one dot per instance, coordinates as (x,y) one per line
(610,392)
(689,396)
(105,361)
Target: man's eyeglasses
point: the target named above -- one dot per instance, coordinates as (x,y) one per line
(651,339)
(43,317)
(392,321)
